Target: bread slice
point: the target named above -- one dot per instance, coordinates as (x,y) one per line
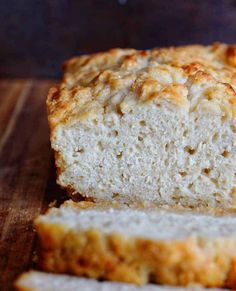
(39,281)
(153,126)
(139,245)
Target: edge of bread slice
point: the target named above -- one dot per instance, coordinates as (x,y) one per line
(138,245)
(40,281)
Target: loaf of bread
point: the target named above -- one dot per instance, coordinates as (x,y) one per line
(39,281)
(155,126)
(139,245)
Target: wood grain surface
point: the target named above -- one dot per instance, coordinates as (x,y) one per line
(27,181)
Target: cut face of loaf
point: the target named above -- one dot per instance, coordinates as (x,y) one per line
(139,245)
(156,127)
(39,281)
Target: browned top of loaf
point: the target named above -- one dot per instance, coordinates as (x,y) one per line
(119,79)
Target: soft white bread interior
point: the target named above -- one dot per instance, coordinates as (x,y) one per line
(39,281)
(154,126)
(139,245)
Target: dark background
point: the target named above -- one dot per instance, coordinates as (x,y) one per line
(37,36)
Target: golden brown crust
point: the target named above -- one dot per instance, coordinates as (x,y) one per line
(231,55)
(91,253)
(18,283)
(114,257)
(91,82)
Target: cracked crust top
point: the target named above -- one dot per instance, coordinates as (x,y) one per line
(188,77)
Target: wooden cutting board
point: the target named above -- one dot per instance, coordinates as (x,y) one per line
(27,179)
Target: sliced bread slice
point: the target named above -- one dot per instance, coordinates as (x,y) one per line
(139,245)
(39,281)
